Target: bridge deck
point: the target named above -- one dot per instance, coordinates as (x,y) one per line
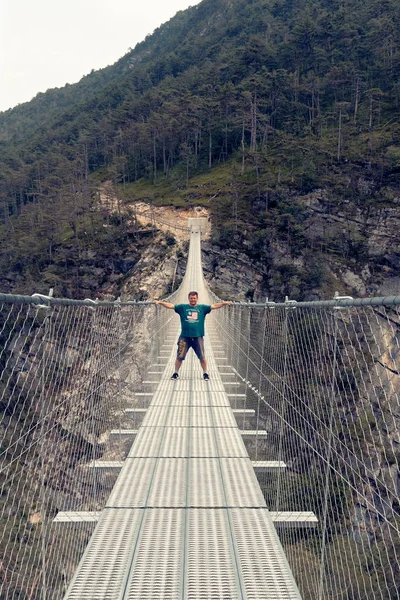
(186,518)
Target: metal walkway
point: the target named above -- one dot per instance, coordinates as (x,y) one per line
(186,518)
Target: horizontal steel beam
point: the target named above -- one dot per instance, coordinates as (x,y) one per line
(291,520)
(268,466)
(123,433)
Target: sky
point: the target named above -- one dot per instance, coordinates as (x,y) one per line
(47,43)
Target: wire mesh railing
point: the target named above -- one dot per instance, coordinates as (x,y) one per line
(323,381)
(67,371)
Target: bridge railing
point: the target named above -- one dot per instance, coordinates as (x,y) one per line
(67,369)
(324,381)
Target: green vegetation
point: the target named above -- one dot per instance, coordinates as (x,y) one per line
(243,106)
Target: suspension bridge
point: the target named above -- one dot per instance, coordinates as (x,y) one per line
(278,478)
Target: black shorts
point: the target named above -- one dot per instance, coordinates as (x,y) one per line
(184,343)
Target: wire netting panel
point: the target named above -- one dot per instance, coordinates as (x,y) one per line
(324,385)
(67,373)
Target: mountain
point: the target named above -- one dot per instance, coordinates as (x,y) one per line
(280,117)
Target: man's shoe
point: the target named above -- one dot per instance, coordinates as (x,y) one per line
(206,377)
(175,376)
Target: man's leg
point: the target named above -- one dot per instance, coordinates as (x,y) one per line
(178,364)
(204,365)
(198,347)
(180,356)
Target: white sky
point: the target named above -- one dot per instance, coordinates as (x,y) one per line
(47,43)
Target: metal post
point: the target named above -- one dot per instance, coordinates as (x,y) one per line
(174,277)
(42,447)
(239,330)
(328,459)
(92,407)
(261,374)
(118,304)
(248,360)
(284,402)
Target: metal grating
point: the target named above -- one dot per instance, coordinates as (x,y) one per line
(241,485)
(174,443)
(157,416)
(157,570)
(101,573)
(223,417)
(169,442)
(179,482)
(147,442)
(202,416)
(132,486)
(188,398)
(211,566)
(266,572)
(230,443)
(202,443)
(170,483)
(196,385)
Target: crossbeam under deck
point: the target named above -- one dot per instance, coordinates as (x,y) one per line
(186,518)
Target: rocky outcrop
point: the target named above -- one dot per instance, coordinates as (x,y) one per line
(318,246)
(157,273)
(363,241)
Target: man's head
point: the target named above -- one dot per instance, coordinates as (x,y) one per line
(193,297)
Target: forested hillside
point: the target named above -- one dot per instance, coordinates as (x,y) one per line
(281,117)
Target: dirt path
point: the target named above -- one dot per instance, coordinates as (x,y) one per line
(174,220)
(165,218)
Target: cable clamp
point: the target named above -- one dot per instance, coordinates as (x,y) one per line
(92,304)
(337,297)
(290,304)
(44,297)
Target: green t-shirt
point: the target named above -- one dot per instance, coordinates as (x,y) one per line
(192,318)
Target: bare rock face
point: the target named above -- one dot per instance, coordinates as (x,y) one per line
(390,287)
(377,401)
(157,273)
(231,274)
(354,282)
(365,238)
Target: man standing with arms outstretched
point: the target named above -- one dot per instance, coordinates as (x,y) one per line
(192,335)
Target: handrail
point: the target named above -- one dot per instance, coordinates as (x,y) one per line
(344,302)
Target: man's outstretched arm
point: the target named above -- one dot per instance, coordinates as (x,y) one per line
(220,305)
(165,304)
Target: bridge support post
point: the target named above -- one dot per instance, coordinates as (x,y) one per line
(261,373)
(92,429)
(328,458)
(42,448)
(283,408)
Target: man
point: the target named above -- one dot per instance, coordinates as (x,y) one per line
(192,335)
